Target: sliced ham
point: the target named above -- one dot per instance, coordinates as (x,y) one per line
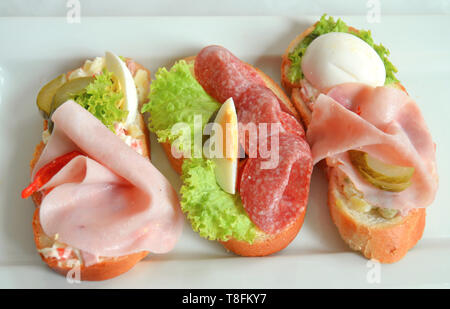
(388,125)
(109,202)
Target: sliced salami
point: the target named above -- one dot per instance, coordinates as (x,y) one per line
(257,109)
(273,198)
(272,194)
(291,125)
(259,106)
(222,74)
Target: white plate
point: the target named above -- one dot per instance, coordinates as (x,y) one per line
(34,50)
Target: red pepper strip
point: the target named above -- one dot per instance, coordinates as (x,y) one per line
(61,251)
(47,172)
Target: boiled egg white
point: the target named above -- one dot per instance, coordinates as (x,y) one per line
(115,65)
(226,146)
(335,58)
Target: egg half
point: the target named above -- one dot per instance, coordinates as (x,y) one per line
(116,66)
(226,146)
(335,58)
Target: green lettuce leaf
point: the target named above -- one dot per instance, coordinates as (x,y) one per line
(177,97)
(213,213)
(101,99)
(326,25)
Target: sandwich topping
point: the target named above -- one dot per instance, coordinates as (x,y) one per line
(327,25)
(336,58)
(268,198)
(379,139)
(375,128)
(101,92)
(109,201)
(274,184)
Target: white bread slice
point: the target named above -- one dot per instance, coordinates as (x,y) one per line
(264,244)
(386,241)
(108,267)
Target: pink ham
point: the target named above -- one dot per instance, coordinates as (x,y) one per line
(387,124)
(111,202)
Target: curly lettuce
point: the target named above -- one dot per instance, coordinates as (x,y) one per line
(176,97)
(327,25)
(213,213)
(102,99)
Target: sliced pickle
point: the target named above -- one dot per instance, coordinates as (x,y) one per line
(386,186)
(383,176)
(68,90)
(380,170)
(45,96)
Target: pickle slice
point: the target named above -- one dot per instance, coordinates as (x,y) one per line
(386,186)
(68,90)
(45,96)
(383,176)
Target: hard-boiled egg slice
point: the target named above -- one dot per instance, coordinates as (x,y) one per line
(115,65)
(227,160)
(335,58)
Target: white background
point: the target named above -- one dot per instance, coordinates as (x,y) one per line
(221,7)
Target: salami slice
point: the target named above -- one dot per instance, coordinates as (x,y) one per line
(257,108)
(222,74)
(273,198)
(291,125)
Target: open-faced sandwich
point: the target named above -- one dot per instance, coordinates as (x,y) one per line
(379,153)
(101,206)
(246,185)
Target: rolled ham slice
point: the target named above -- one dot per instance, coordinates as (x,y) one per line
(109,202)
(388,125)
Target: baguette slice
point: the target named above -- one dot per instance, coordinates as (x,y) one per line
(108,267)
(387,241)
(265,244)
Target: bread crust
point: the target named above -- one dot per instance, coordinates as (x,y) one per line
(108,267)
(286,63)
(303,109)
(387,243)
(269,243)
(174,162)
